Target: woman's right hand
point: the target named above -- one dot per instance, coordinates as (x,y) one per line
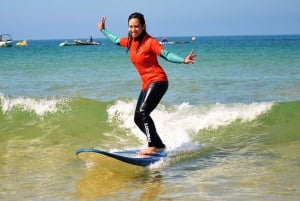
(101,24)
(190,58)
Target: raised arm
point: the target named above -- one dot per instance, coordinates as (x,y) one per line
(171,57)
(106,33)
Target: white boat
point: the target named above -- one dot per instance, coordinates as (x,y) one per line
(88,42)
(165,41)
(5,40)
(66,43)
(80,42)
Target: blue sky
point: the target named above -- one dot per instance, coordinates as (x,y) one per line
(63,19)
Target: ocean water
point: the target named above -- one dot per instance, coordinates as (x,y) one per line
(230,122)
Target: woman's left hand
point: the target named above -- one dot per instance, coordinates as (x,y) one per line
(190,58)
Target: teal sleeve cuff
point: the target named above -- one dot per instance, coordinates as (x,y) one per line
(110,36)
(169,56)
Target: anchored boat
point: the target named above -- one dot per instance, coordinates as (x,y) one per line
(5,40)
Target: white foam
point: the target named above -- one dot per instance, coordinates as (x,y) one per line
(38,106)
(176,124)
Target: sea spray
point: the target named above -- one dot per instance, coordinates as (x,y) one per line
(176,124)
(36,106)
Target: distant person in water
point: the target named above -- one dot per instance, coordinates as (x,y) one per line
(143,51)
(91,39)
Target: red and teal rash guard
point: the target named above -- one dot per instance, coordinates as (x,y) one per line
(144,58)
(143,55)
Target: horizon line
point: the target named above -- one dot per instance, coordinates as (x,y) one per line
(237,35)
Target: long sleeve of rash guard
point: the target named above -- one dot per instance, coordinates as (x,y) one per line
(169,56)
(110,36)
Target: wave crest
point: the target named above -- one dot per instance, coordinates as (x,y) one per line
(176,124)
(38,106)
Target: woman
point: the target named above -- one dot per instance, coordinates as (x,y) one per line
(143,50)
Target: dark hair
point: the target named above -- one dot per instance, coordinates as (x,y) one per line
(141,18)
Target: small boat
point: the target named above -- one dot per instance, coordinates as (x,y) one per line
(165,41)
(80,42)
(66,43)
(22,43)
(5,40)
(88,42)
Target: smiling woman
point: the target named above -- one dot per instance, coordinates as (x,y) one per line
(143,50)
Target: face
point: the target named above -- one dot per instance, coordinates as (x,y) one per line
(134,27)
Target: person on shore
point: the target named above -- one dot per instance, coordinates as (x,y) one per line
(143,51)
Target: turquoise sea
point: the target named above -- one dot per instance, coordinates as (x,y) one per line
(231,121)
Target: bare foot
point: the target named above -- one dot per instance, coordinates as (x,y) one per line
(151,151)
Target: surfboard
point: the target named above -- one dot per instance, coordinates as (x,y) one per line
(127,156)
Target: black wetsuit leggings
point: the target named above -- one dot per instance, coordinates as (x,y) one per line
(146,103)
